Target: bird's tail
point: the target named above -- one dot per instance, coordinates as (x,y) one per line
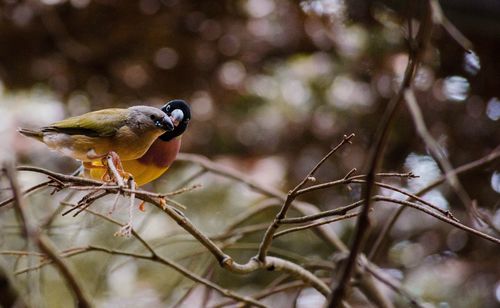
(31,133)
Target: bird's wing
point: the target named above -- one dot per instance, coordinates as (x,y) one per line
(101,123)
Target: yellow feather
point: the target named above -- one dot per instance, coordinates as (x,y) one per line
(142,173)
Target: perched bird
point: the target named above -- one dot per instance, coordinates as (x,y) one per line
(162,152)
(91,136)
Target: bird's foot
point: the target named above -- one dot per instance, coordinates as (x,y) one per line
(115,171)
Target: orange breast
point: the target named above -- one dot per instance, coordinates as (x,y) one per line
(161,154)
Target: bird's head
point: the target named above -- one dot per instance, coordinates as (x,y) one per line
(180,114)
(146,117)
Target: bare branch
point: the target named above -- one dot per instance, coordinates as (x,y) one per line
(440,217)
(433,146)
(44,243)
(338,211)
(375,158)
(268,236)
(154,256)
(319,223)
(462,169)
(411,196)
(391,283)
(439,18)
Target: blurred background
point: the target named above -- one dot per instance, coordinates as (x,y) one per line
(273,84)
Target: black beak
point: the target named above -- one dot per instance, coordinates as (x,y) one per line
(165,123)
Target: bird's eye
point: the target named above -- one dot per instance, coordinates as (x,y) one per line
(152,117)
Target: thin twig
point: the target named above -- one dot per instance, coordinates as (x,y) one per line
(85,202)
(391,283)
(338,211)
(319,223)
(436,151)
(411,196)
(27,192)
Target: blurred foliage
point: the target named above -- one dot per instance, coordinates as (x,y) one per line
(273,85)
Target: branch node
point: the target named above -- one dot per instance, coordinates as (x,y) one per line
(350,173)
(226,262)
(412,175)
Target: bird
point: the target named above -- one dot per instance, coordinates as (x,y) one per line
(162,153)
(90,137)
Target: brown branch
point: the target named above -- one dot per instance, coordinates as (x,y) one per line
(157,258)
(439,18)
(85,202)
(410,196)
(375,158)
(114,189)
(319,223)
(324,232)
(462,169)
(305,208)
(267,292)
(338,211)
(436,152)
(44,243)
(61,177)
(268,236)
(323,186)
(440,217)
(225,260)
(154,256)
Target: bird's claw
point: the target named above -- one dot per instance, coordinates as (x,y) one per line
(115,171)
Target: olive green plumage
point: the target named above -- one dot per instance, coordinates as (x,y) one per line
(128,132)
